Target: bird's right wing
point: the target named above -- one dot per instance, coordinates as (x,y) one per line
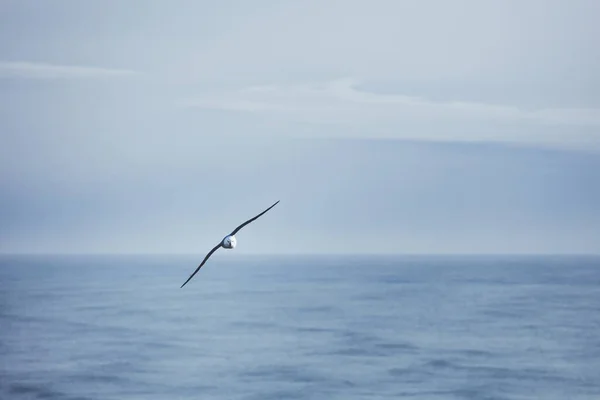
(236,230)
(201,264)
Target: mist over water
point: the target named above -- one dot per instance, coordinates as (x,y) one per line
(273,327)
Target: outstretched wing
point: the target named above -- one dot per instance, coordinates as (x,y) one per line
(203,261)
(236,230)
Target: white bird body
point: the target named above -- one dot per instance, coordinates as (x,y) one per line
(229,242)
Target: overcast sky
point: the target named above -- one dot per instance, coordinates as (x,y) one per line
(382,126)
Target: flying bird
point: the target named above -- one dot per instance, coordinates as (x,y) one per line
(228,242)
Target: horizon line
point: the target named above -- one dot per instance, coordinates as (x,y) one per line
(337,254)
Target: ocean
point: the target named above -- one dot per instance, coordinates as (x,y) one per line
(299,327)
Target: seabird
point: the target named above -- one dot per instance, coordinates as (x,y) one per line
(228,242)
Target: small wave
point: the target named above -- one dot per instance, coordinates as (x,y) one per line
(283,373)
(39,391)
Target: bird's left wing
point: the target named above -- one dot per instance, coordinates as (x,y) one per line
(203,261)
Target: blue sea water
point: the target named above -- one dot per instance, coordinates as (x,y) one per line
(299,327)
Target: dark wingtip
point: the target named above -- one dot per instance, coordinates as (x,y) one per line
(185,283)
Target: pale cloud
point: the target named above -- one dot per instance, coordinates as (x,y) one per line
(35,70)
(344,103)
(345,97)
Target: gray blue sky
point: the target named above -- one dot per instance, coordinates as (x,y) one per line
(386,126)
